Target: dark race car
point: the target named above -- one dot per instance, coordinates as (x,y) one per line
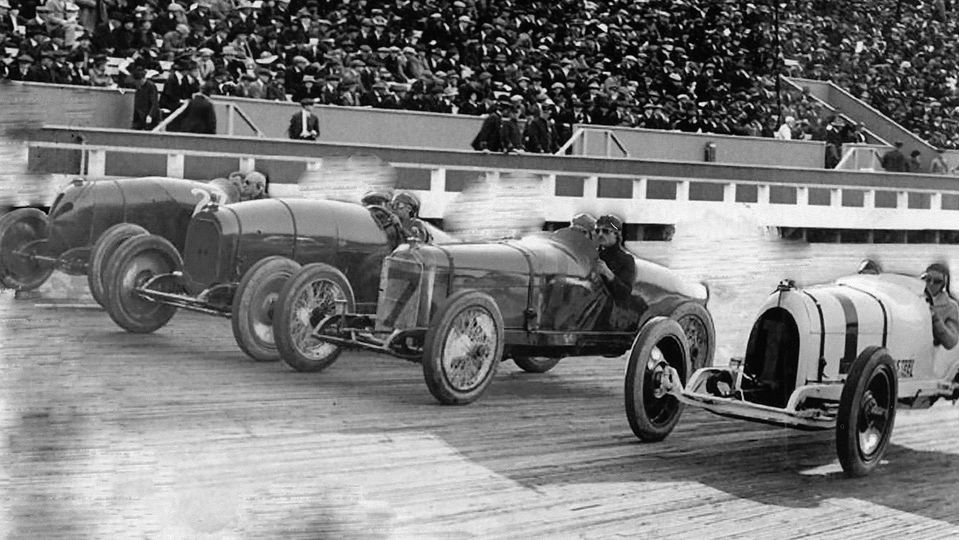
(88,220)
(460,309)
(235,258)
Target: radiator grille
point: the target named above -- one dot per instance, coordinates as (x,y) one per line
(201,254)
(400,294)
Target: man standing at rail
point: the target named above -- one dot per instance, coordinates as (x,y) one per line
(304,125)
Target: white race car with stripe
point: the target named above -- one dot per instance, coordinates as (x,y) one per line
(837,356)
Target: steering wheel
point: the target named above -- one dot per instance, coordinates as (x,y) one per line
(389,222)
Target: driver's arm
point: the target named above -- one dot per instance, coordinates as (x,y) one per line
(945,326)
(621,285)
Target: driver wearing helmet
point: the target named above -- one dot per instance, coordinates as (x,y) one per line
(407,208)
(616,265)
(377,198)
(944,309)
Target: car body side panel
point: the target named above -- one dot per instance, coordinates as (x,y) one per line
(266,227)
(345,236)
(71,217)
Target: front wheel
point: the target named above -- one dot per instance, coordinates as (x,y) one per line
(652,411)
(867,412)
(254,305)
(535,364)
(314,293)
(103,250)
(462,348)
(19,230)
(132,265)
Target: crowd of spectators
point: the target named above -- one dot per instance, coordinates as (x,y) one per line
(687,65)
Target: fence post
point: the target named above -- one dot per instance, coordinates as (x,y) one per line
(96,163)
(175,165)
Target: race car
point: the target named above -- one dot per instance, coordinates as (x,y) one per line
(235,258)
(460,309)
(89,219)
(834,356)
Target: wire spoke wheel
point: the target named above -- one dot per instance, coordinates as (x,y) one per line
(316,301)
(314,293)
(469,347)
(463,347)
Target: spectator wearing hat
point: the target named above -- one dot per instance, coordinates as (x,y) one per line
(178,89)
(146,100)
(104,36)
(511,134)
(379,97)
(308,89)
(304,125)
(489,137)
(11,22)
(175,40)
(894,160)
(785,131)
(98,72)
(538,136)
(938,164)
(22,70)
(914,164)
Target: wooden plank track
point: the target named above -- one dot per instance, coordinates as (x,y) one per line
(177,434)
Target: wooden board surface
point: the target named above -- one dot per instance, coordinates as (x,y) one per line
(178,435)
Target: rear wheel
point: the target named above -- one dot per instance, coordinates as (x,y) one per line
(132,265)
(867,412)
(103,250)
(254,305)
(19,230)
(697,324)
(653,412)
(314,293)
(535,364)
(463,347)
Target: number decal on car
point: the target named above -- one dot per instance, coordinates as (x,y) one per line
(904,367)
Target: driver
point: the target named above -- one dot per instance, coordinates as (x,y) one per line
(616,265)
(407,208)
(377,198)
(254,186)
(945,310)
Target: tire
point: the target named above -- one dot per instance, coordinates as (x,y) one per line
(254,305)
(103,249)
(316,291)
(697,324)
(652,413)
(867,412)
(477,313)
(536,364)
(132,264)
(17,229)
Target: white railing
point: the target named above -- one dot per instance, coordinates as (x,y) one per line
(662,200)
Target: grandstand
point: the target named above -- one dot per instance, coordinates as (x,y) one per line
(691,65)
